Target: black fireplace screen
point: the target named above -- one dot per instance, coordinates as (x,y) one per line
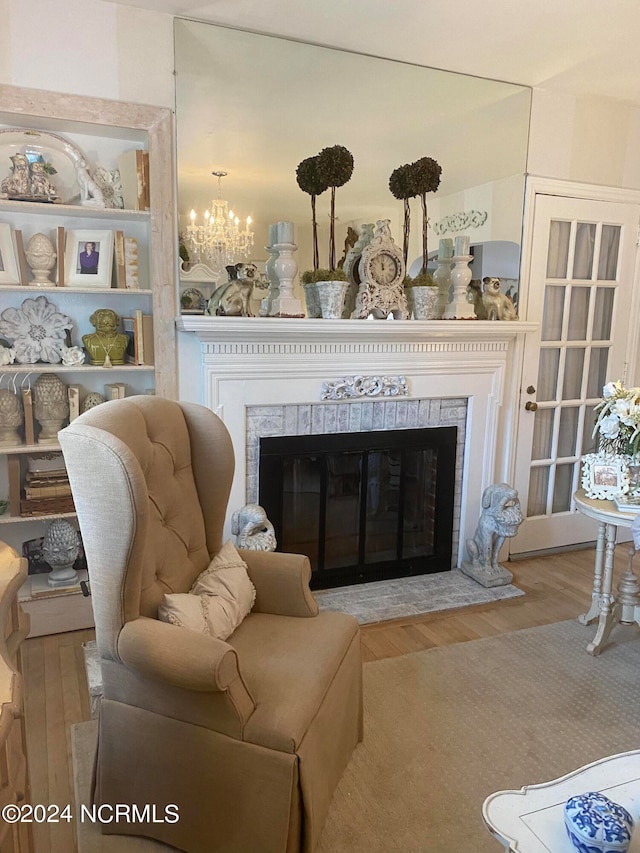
(362,506)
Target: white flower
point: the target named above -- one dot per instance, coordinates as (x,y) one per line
(111,186)
(611,389)
(610,426)
(7,355)
(37,330)
(72,356)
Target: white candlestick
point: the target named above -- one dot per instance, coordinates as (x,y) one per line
(462,246)
(285,232)
(445,249)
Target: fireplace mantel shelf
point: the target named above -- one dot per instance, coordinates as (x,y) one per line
(275,329)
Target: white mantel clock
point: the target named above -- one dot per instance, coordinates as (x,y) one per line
(380,275)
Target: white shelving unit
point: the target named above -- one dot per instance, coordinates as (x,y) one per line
(101,130)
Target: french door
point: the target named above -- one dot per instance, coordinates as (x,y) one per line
(583,258)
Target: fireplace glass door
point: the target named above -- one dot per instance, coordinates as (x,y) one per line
(362,506)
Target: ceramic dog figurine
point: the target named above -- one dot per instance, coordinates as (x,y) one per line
(497,306)
(231,299)
(252,529)
(500,519)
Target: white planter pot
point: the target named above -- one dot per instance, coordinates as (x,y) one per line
(311,300)
(331,298)
(423,302)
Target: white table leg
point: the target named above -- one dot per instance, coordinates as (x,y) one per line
(609,609)
(629,592)
(596,595)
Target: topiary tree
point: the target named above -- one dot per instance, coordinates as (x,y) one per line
(400,186)
(335,167)
(425,178)
(310,181)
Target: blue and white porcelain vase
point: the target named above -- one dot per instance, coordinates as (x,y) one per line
(595,824)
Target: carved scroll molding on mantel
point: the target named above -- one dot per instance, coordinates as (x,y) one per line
(460,221)
(356,387)
(235,364)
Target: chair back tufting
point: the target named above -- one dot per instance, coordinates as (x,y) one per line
(150,479)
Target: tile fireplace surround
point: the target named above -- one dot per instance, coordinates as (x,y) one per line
(271,372)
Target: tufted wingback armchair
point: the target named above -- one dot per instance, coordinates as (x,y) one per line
(248,736)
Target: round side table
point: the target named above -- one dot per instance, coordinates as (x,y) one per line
(607,608)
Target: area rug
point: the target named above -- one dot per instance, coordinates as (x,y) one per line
(401,597)
(446,727)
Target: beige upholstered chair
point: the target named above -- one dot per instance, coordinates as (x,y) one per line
(249,737)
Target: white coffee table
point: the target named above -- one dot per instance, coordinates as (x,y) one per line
(531,820)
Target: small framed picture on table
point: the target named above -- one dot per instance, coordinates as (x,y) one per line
(88,259)
(604,477)
(9,272)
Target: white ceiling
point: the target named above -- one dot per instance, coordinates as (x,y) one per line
(580,46)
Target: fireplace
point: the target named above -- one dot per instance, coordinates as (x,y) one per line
(363,506)
(266,377)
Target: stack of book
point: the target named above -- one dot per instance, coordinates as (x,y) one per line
(46,487)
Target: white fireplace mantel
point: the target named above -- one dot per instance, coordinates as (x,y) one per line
(264,361)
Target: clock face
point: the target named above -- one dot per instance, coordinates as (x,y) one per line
(384,268)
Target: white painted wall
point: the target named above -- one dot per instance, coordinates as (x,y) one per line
(591,140)
(88,47)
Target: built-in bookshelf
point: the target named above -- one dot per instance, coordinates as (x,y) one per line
(139,284)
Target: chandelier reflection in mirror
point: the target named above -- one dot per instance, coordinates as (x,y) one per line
(220,241)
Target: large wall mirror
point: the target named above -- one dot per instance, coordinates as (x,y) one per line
(254,106)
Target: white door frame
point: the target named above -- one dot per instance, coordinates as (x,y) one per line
(536,185)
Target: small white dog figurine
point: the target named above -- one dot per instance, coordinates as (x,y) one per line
(252,529)
(497,306)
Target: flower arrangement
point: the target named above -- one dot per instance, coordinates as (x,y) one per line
(618,423)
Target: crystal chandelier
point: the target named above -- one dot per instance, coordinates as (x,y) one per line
(219,241)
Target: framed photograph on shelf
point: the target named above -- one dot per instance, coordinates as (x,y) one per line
(604,477)
(9,271)
(88,259)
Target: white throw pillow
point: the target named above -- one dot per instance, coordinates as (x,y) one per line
(218,601)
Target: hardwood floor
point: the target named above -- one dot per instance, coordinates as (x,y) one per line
(557,587)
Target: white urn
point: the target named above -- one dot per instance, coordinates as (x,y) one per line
(41,258)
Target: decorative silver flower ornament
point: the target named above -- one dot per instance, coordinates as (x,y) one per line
(37,330)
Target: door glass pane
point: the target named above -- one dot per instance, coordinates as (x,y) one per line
(583,257)
(603,313)
(542,434)
(538,486)
(563,488)
(597,371)
(609,250)
(548,373)
(573,365)
(578,314)
(589,444)
(558,254)
(568,431)
(553,313)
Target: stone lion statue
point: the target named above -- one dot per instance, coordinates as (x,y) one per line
(500,519)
